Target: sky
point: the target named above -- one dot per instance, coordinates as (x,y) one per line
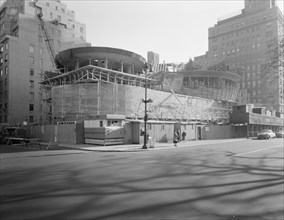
(176,30)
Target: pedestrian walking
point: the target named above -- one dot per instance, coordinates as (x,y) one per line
(183,135)
(178,133)
(175,138)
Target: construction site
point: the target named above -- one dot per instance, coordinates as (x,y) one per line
(102,87)
(94,85)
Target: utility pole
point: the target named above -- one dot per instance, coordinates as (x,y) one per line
(146,101)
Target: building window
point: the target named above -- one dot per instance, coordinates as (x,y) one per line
(62,10)
(47,3)
(31,72)
(41,51)
(51,15)
(1,49)
(6,57)
(56,8)
(32,60)
(32,49)
(32,96)
(31,107)
(1,60)
(1,72)
(6,70)
(81,31)
(31,119)
(59,18)
(41,61)
(6,46)
(5,81)
(32,84)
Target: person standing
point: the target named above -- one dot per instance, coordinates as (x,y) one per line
(183,134)
(178,134)
(175,138)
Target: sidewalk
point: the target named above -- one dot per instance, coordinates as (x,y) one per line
(138,147)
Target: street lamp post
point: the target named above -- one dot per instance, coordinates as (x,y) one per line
(146,114)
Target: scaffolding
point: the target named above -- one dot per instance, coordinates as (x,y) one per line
(91,90)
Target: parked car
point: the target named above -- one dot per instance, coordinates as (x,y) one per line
(280,134)
(8,133)
(266,134)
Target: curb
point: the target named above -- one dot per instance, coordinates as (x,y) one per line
(111,148)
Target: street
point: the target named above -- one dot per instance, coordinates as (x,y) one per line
(222,181)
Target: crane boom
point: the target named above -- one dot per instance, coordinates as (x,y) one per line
(46,89)
(48,41)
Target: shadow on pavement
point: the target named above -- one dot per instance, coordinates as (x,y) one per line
(168,187)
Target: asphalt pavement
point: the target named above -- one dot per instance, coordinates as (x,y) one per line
(199,180)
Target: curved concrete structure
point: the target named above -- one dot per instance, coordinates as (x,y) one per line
(102,80)
(106,57)
(217,85)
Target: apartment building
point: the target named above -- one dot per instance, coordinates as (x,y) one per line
(25,57)
(201,61)
(243,40)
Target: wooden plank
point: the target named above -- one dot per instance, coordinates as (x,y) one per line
(104,142)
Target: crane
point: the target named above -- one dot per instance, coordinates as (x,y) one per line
(48,40)
(46,88)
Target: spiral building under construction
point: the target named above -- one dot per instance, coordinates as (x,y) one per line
(102,80)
